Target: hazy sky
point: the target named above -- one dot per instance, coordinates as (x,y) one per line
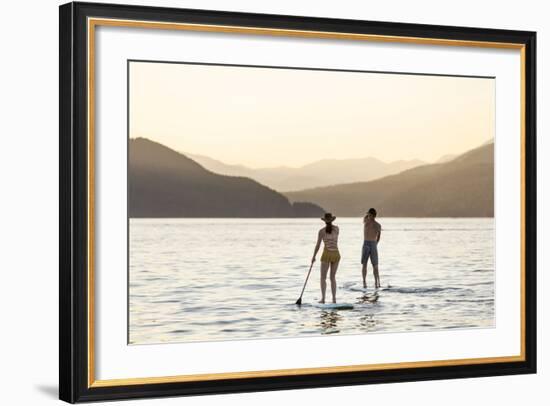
(269,117)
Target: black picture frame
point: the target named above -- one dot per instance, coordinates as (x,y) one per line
(74,289)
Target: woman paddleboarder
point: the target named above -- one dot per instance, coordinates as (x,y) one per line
(330,257)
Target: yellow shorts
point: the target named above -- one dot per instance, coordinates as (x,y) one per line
(330,256)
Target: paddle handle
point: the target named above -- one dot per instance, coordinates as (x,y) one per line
(305,283)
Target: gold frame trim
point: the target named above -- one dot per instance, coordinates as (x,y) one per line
(93,22)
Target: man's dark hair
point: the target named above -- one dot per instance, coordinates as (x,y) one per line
(372,211)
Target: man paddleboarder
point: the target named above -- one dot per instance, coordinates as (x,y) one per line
(371,233)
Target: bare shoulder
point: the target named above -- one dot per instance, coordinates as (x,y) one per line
(378,225)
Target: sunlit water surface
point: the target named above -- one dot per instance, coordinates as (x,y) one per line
(226,279)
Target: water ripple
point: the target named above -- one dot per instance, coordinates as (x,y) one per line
(224,279)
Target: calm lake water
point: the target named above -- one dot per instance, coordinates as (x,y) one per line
(226,279)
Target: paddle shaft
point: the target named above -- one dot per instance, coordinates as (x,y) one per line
(305,283)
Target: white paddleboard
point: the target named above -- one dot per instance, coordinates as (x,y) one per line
(355,287)
(358,289)
(334,306)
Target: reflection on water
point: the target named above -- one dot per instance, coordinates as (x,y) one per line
(225,279)
(372,298)
(368,321)
(329,321)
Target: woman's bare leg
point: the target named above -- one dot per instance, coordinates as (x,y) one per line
(324,271)
(333,269)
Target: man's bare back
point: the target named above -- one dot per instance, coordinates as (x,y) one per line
(371,230)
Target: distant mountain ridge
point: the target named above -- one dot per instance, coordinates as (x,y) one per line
(320,173)
(165,183)
(446,158)
(461,187)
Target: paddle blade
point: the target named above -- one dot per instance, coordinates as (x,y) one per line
(299,301)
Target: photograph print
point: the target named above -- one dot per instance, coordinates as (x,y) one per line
(284,202)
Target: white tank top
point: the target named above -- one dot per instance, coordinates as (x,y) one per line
(331,240)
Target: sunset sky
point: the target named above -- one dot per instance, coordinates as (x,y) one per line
(261,117)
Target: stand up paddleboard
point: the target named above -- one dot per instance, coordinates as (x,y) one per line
(359,289)
(334,306)
(356,287)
